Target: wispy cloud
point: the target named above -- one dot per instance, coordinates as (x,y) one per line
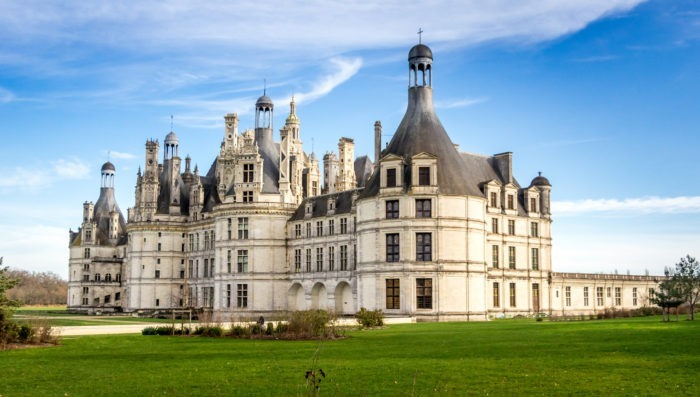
(6,96)
(72,168)
(596,58)
(31,178)
(459,103)
(121,155)
(344,69)
(644,205)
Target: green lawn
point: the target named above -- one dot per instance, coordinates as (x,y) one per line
(517,357)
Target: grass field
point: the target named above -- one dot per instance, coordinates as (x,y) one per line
(510,357)
(58,316)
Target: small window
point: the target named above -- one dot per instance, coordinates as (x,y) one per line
(247,197)
(512,295)
(392,247)
(424,293)
(511,202)
(391,177)
(423,208)
(533,204)
(496,296)
(494,225)
(494,199)
(392,209)
(494,256)
(424,247)
(511,227)
(248,173)
(534,229)
(393,298)
(424,176)
(157,273)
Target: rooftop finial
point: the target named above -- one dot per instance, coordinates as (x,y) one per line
(264,86)
(171,122)
(420,35)
(539,173)
(109,154)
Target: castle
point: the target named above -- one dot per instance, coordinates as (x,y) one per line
(423,230)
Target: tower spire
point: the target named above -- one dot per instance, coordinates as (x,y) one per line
(420,34)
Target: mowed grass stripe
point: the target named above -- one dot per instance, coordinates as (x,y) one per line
(611,357)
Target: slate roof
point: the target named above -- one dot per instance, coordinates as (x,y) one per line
(363,170)
(105,204)
(343,204)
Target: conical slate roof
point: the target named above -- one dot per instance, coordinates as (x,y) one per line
(421,131)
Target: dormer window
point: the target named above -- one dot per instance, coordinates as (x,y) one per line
(511,202)
(424,176)
(533,204)
(494,199)
(391,177)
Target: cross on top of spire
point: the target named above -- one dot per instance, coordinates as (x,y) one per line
(420,35)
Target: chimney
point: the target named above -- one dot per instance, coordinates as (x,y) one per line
(377,141)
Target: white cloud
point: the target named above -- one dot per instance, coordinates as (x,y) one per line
(644,205)
(73,168)
(344,70)
(459,103)
(121,155)
(32,178)
(6,96)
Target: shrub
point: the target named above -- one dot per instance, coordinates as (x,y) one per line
(370,318)
(269,329)
(213,331)
(281,328)
(311,324)
(25,333)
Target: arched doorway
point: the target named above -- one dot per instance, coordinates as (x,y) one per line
(295,297)
(343,298)
(319,297)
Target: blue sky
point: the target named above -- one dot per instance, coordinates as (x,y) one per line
(599,95)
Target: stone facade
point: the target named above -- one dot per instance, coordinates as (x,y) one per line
(425,231)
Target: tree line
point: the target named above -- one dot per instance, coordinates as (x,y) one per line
(37,288)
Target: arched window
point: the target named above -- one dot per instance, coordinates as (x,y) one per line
(108,277)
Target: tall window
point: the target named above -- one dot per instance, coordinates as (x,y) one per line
(242,261)
(228,295)
(206,267)
(618,296)
(241,295)
(599,296)
(97,276)
(319,259)
(392,209)
(535,258)
(496,296)
(634,296)
(343,257)
(424,293)
(319,228)
(567,295)
(511,257)
(511,227)
(392,247)
(534,229)
(297,260)
(510,202)
(308,260)
(423,208)
(343,225)
(391,177)
(585,296)
(536,297)
(297,230)
(608,292)
(247,196)
(211,267)
(86,253)
(393,299)
(108,277)
(242,228)
(494,225)
(228,229)
(533,204)
(494,256)
(248,173)
(424,176)
(308,229)
(331,227)
(424,250)
(494,199)
(511,291)
(157,273)
(331,258)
